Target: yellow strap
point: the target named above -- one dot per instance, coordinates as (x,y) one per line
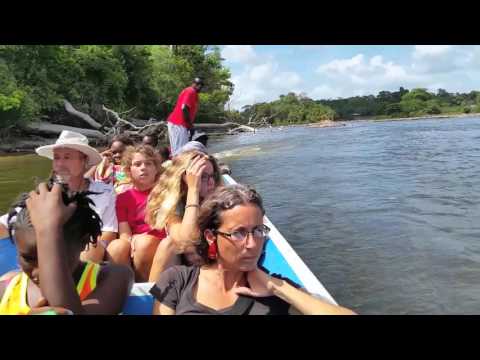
(90,280)
(14,300)
(83,278)
(93,278)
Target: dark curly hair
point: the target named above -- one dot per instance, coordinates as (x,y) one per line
(223,198)
(83,227)
(123,138)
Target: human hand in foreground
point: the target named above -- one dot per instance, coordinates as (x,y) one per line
(47,209)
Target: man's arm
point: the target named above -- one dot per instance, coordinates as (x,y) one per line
(186,115)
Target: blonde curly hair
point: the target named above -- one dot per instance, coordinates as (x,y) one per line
(170,189)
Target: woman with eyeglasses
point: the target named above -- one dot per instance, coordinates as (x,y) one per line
(229,282)
(174,204)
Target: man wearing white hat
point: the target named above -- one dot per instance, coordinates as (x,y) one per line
(72,157)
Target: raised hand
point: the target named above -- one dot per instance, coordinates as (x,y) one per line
(107,153)
(259,284)
(46,208)
(193,174)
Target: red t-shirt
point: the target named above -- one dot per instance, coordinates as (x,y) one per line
(130,207)
(188,97)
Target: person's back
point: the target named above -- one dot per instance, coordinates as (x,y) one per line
(188,97)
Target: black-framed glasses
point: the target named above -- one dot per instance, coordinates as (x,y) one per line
(258,233)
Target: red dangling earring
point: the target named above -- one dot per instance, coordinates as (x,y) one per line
(212,250)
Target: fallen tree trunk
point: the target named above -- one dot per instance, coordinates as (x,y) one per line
(85,117)
(216,126)
(44,128)
(241,128)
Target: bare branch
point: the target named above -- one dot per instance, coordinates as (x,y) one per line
(85,117)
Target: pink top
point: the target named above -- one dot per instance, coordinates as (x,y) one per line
(130,207)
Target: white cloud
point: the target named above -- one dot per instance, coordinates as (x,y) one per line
(244,54)
(325,92)
(260,79)
(360,75)
(261,72)
(286,79)
(422,51)
(343,66)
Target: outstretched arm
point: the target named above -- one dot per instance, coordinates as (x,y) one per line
(262,284)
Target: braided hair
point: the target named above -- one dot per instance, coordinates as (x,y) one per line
(83,227)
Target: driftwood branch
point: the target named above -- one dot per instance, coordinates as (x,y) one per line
(241,128)
(53,129)
(85,117)
(137,129)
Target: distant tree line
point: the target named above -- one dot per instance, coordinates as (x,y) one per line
(405,103)
(298,108)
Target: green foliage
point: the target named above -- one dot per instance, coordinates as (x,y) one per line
(405,103)
(35,79)
(288,109)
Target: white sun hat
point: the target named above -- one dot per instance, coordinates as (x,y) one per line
(71,140)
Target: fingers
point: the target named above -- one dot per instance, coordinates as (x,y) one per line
(193,162)
(42,188)
(199,164)
(242,290)
(56,189)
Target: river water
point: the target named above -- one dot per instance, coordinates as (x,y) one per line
(386,214)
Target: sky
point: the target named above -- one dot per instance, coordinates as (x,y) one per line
(264,72)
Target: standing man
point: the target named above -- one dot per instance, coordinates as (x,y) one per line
(180,121)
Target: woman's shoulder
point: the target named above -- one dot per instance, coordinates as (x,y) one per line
(180,275)
(174,282)
(183,271)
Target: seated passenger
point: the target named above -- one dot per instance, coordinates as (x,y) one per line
(110,170)
(50,230)
(229,280)
(174,203)
(138,241)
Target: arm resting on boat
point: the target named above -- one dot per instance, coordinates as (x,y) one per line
(262,284)
(303,301)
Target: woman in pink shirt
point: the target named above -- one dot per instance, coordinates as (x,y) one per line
(137,242)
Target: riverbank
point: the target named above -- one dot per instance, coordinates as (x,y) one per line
(26,144)
(441,116)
